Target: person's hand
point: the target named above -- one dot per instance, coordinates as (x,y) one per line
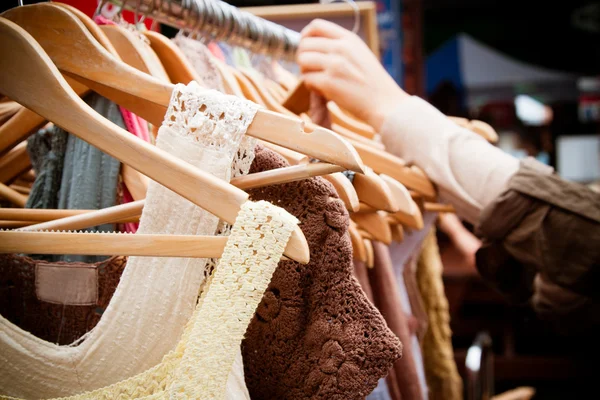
(338,64)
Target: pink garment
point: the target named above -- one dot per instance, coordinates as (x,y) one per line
(216,51)
(134,124)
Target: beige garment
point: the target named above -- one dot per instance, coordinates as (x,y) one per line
(441,372)
(199,366)
(202,61)
(156,296)
(468,171)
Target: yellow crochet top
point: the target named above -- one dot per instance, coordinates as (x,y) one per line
(199,366)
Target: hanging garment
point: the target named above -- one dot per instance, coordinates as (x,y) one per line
(442,374)
(315,335)
(46,149)
(202,60)
(387,388)
(56,302)
(156,296)
(404,255)
(90,176)
(199,367)
(389,303)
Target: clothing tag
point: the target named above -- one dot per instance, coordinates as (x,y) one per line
(67,284)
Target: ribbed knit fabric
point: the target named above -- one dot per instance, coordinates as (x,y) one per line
(199,367)
(315,334)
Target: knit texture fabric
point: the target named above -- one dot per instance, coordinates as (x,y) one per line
(156,295)
(200,365)
(55,323)
(315,335)
(443,379)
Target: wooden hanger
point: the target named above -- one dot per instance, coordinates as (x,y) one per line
(376,158)
(108,244)
(148,97)
(370,262)
(26,121)
(298,101)
(285,78)
(479,127)
(372,190)
(276,90)
(230,84)
(385,163)
(29,73)
(344,189)
(374,223)
(345,132)
(81,219)
(134,52)
(414,220)
(359,252)
(401,195)
(14,163)
(12,195)
(172,58)
(369,197)
(343,119)
(397,230)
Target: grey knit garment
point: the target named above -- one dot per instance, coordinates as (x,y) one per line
(73,174)
(46,150)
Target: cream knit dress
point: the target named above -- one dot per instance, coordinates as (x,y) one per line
(156,296)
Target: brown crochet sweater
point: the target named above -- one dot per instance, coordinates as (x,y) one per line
(315,335)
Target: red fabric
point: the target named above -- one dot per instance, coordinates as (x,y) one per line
(89,7)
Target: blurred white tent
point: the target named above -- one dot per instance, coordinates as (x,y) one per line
(484,75)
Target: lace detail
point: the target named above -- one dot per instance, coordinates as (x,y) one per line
(202,60)
(199,366)
(216,120)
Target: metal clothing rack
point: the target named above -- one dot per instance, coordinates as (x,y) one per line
(219,21)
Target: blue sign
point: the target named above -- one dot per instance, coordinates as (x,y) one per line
(390,37)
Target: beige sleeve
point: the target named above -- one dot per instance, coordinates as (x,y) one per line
(469,171)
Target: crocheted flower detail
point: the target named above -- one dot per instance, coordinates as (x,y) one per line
(335,371)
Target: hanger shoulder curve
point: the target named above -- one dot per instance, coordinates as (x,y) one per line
(384,163)
(94,29)
(172,58)
(341,118)
(374,223)
(401,194)
(344,189)
(373,190)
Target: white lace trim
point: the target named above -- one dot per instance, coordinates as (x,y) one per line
(216,120)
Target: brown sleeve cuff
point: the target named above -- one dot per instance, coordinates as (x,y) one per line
(541,225)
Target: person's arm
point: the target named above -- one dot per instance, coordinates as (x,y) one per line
(468,171)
